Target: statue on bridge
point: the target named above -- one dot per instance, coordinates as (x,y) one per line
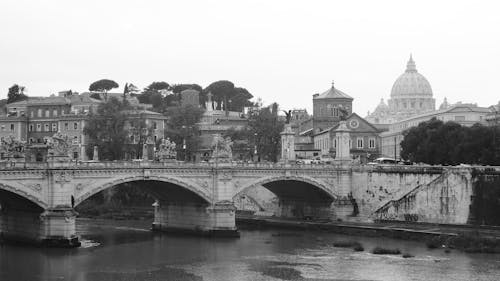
(222,148)
(11,148)
(58,146)
(166,150)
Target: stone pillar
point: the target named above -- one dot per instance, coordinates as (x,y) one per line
(342,135)
(287,144)
(145,152)
(57,228)
(343,205)
(95,156)
(202,219)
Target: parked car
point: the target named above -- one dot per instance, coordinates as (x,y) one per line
(383,160)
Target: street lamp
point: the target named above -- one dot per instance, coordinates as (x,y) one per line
(256,156)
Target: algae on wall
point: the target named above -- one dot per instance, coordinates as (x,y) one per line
(485,199)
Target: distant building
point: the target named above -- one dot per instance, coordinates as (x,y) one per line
(215,122)
(190,97)
(326,108)
(364,140)
(493,118)
(411,95)
(36,119)
(463,114)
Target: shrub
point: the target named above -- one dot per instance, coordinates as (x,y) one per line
(384,251)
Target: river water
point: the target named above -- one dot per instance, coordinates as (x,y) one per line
(128,250)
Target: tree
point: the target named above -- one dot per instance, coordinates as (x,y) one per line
(157,86)
(266,128)
(106,129)
(262,133)
(234,98)
(182,128)
(152,94)
(437,143)
(16,93)
(222,91)
(140,133)
(103,85)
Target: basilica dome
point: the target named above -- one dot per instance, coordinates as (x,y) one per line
(411,84)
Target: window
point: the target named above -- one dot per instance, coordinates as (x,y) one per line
(47,128)
(54,127)
(3,128)
(371,143)
(75,126)
(335,111)
(32,114)
(38,127)
(75,139)
(132,138)
(31,140)
(335,143)
(12,127)
(66,126)
(154,126)
(75,155)
(54,112)
(31,128)
(47,113)
(459,118)
(359,142)
(39,113)
(155,138)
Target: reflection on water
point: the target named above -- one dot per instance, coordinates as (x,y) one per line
(127,250)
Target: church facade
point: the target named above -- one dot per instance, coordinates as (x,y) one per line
(411,95)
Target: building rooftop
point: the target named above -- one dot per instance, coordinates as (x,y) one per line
(332,93)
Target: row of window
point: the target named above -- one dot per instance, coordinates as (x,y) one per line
(48,128)
(44,113)
(360,143)
(3,128)
(329,111)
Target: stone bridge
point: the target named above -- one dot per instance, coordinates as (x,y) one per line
(37,200)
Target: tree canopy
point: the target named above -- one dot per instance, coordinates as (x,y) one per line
(182,128)
(16,93)
(106,129)
(103,85)
(233,98)
(434,142)
(262,133)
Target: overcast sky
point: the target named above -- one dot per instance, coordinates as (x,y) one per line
(283,51)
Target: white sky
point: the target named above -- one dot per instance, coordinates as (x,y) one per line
(283,51)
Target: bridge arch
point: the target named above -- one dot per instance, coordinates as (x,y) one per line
(303,179)
(25,195)
(98,187)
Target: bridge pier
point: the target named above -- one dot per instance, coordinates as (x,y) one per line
(204,219)
(53,227)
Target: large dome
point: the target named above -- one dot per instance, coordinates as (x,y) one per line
(411,84)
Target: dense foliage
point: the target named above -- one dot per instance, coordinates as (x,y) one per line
(103,85)
(227,96)
(435,142)
(182,128)
(106,129)
(263,133)
(16,93)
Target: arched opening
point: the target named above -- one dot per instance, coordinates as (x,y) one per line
(293,198)
(164,205)
(124,198)
(19,217)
